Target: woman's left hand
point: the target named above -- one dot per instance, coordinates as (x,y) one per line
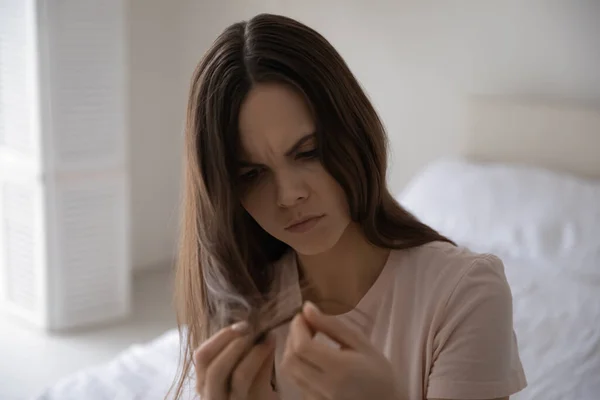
(355,371)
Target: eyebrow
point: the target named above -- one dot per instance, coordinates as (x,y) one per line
(288,153)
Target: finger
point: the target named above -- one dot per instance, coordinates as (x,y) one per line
(221,368)
(210,348)
(299,331)
(334,328)
(246,372)
(311,351)
(307,361)
(310,380)
(299,340)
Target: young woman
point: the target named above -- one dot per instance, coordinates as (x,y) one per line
(286,203)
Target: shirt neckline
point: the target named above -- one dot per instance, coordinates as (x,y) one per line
(373,293)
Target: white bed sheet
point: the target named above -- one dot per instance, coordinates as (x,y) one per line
(557,321)
(142,372)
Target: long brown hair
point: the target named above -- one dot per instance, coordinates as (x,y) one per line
(225,259)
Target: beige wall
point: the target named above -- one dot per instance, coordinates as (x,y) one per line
(156,101)
(416,59)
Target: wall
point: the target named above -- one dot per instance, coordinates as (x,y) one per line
(156,102)
(416,59)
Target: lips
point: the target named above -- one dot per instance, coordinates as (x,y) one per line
(304,224)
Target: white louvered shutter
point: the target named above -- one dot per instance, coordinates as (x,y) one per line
(64,244)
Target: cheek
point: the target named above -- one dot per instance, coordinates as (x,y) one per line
(252,205)
(256,203)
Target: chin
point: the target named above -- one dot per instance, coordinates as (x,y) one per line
(316,243)
(312,249)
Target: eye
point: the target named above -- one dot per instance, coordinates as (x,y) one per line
(250,175)
(307,155)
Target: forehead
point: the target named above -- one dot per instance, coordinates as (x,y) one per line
(273,117)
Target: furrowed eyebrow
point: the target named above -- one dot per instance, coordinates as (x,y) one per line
(246,164)
(289,152)
(299,143)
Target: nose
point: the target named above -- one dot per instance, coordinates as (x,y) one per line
(291,189)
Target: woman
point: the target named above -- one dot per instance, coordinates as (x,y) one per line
(286,202)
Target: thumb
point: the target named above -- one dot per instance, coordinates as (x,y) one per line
(334,328)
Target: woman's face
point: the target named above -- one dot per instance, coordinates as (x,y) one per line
(285,188)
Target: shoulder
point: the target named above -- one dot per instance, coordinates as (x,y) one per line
(448,259)
(442,270)
(473,346)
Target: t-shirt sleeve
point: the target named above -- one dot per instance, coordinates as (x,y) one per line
(475,354)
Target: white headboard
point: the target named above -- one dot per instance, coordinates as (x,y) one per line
(554,134)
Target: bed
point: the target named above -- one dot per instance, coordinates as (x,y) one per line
(551,256)
(526,187)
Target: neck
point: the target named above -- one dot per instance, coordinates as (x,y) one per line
(341,276)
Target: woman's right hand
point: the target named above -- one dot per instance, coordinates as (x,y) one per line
(230,366)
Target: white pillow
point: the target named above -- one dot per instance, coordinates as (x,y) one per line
(511,210)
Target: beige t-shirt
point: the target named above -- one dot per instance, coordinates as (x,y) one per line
(442,315)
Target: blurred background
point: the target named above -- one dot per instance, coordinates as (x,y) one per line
(92,106)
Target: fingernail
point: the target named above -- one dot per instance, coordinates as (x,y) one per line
(310,306)
(240,327)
